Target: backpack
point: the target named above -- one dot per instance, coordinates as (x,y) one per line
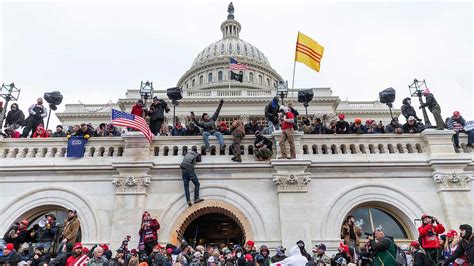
(400,256)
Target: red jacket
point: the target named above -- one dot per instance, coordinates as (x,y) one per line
(429,235)
(137,110)
(79,261)
(286,125)
(150,234)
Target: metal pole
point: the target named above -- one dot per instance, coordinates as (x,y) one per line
(4,111)
(49,115)
(293,81)
(174,113)
(425,114)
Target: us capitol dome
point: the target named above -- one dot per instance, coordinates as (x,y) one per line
(210,69)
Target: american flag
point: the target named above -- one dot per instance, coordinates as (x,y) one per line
(123,119)
(234,65)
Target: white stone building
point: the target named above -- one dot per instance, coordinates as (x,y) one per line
(388,180)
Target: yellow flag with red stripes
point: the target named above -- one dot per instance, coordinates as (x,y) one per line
(308,52)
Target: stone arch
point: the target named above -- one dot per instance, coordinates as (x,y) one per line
(37,200)
(243,210)
(210,206)
(397,202)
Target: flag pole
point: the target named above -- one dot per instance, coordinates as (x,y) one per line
(293,81)
(294,64)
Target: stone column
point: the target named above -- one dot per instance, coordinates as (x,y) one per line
(131,184)
(452,181)
(292,186)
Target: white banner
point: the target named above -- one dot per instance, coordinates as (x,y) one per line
(469,125)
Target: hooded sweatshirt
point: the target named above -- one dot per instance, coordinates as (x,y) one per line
(295,258)
(15,116)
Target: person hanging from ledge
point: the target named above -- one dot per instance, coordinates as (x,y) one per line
(208,124)
(434,108)
(188,174)
(287,120)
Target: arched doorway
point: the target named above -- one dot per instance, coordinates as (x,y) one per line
(214,229)
(216,212)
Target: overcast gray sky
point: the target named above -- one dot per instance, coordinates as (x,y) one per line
(95,51)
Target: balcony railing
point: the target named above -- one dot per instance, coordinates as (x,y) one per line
(307,146)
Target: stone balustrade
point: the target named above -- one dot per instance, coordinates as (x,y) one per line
(307,146)
(56,148)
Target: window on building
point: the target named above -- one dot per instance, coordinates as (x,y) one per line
(219,76)
(201,80)
(209,77)
(187,85)
(260,79)
(193,83)
(268,82)
(251,77)
(373,217)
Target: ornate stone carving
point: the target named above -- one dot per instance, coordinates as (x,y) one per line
(292,182)
(131,184)
(454,181)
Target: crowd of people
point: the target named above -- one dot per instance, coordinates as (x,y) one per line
(49,243)
(278,117)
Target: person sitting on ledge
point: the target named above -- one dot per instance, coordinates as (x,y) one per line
(262,147)
(457,123)
(208,124)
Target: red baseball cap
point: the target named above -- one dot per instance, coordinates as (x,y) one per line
(456,113)
(77,245)
(9,246)
(250,243)
(451,233)
(415,244)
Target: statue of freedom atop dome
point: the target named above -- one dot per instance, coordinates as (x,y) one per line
(230,10)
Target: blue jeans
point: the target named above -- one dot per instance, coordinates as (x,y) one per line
(190,176)
(217,134)
(470,137)
(272,126)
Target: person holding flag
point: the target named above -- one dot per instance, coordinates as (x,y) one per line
(123,119)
